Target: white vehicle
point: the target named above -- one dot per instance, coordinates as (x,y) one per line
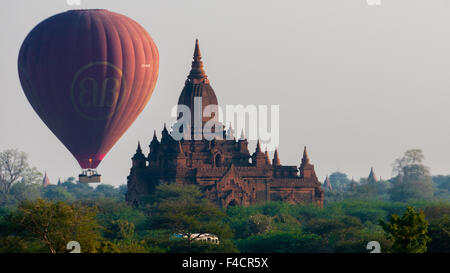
(204,237)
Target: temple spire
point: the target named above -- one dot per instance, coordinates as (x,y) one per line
(138,159)
(46,180)
(305,158)
(164,133)
(197,73)
(276,158)
(139,150)
(154,143)
(327,184)
(306,168)
(372,177)
(197,53)
(230,133)
(242,135)
(258,147)
(266,153)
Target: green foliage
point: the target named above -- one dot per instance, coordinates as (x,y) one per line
(260,224)
(14,169)
(367,191)
(105,191)
(409,233)
(355,241)
(183,210)
(56,193)
(85,191)
(127,241)
(169,219)
(22,191)
(339,181)
(110,211)
(439,232)
(442,182)
(281,242)
(441,187)
(54,224)
(438,215)
(413,180)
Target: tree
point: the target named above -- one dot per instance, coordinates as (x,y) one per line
(439,229)
(368,191)
(409,233)
(440,235)
(14,168)
(123,189)
(108,191)
(56,193)
(333,229)
(22,191)
(442,186)
(281,242)
(127,241)
(410,157)
(78,190)
(260,224)
(339,181)
(413,180)
(54,224)
(183,211)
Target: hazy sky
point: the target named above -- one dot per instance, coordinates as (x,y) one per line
(357,84)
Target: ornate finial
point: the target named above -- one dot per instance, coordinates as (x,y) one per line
(154,141)
(164,132)
(276,158)
(372,177)
(138,155)
(327,183)
(197,71)
(230,133)
(139,150)
(266,153)
(197,53)
(305,158)
(242,135)
(258,147)
(46,180)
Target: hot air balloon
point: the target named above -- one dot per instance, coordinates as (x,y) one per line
(88,74)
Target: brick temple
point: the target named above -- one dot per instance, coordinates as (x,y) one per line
(223,168)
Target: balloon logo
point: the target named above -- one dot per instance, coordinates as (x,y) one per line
(97,100)
(88,74)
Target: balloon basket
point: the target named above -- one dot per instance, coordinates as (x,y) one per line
(89,176)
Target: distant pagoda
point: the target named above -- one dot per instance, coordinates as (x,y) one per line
(46,180)
(372,177)
(327,184)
